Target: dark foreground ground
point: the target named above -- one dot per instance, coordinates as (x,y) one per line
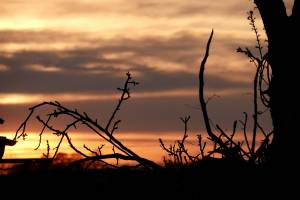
(206,181)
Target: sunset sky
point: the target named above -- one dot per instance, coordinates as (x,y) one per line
(78,51)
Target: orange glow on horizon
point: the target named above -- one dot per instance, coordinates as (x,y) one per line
(145,144)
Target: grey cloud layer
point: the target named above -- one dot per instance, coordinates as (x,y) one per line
(151,80)
(183,49)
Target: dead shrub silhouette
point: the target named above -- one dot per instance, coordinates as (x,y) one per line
(178,155)
(225,146)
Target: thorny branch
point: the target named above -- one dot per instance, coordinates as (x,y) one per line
(93,125)
(125,96)
(260,87)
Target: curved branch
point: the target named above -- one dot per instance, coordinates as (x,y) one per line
(201,94)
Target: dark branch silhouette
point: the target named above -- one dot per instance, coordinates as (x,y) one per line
(223,143)
(78,119)
(201,93)
(178,153)
(224,148)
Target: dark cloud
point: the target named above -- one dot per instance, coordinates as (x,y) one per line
(183,49)
(151,80)
(179,47)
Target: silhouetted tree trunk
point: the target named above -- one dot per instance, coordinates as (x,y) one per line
(282,34)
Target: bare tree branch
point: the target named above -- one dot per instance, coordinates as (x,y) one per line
(125,96)
(83,119)
(201,93)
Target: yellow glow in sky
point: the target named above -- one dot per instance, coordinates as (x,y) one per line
(13,99)
(145,144)
(129,18)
